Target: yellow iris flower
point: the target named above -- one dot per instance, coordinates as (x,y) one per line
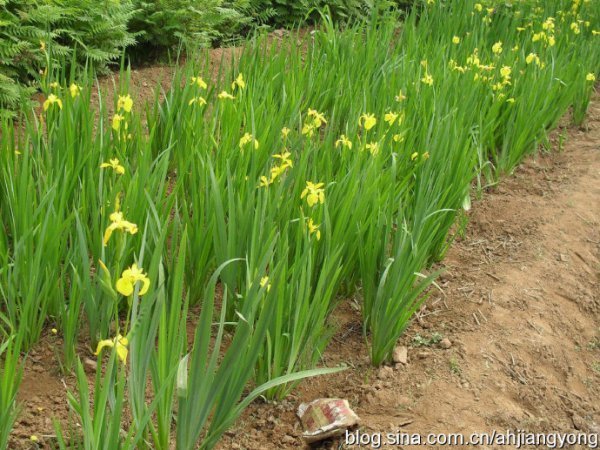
(129,277)
(247,139)
(532,57)
(575,28)
(373,148)
(74,90)
(118,223)
(367,121)
(116,121)
(427,79)
(344,142)
(238,83)
(497,48)
(314,229)
(198,101)
(318,118)
(52,100)
(200,82)
(264,281)
(224,95)
(505,72)
(119,343)
(284,157)
(264,181)
(400,97)
(114,164)
(398,138)
(125,103)
(314,193)
(391,118)
(308,129)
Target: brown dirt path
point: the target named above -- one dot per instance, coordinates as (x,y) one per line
(520,306)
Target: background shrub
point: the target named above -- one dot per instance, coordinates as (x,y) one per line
(32,34)
(163,24)
(288,12)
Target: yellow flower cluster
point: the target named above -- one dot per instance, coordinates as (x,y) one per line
(124,107)
(125,286)
(246,139)
(200,84)
(264,281)
(317,120)
(54,100)
(239,83)
(278,170)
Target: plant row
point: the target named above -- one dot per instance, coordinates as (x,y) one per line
(200,242)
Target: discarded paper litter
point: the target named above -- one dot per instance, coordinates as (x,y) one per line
(325,418)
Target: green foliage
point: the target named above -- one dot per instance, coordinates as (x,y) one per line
(35,35)
(288,12)
(164,24)
(299,175)
(11,372)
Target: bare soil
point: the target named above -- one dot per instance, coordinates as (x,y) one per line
(519,305)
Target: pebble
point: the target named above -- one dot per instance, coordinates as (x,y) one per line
(400,354)
(445,343)
(90,365)
(579,423)
(423,354)
(287,439)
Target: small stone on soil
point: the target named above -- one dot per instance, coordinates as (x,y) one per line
(287,439)
(400,354)
(423,354)
(445,343)
(90,365)
(579,423)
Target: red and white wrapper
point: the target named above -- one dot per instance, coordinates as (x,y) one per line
(325,418)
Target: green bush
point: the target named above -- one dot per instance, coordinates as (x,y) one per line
(163,24)
(32,34)
(287,12)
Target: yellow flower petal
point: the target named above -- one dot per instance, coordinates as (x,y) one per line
(104,343)
(125,286)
